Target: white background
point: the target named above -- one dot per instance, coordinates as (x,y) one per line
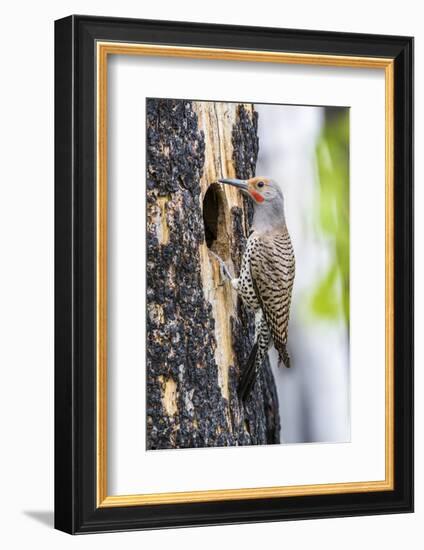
(360,459)
(26,289)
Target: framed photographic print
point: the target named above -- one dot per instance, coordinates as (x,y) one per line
(234,274)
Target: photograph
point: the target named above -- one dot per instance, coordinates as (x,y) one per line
(233,273)
(210,267)
(247,274)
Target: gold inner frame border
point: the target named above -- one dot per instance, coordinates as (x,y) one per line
(103,50)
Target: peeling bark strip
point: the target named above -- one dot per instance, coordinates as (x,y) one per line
(198,332)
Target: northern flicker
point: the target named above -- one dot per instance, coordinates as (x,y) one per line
(266,276)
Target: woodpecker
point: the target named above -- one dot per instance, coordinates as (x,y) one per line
(266,276)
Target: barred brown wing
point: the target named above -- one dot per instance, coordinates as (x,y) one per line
(272,265)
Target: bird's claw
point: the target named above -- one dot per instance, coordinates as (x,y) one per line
(223,269)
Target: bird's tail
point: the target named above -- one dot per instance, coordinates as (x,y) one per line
(248,376)
(284,358)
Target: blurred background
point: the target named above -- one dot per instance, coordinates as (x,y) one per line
(306,150)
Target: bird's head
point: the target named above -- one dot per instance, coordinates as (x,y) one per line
(260,189)
(267,198)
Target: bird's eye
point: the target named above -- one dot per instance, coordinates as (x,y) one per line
(260,184)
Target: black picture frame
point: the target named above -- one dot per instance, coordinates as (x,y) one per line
(76,508)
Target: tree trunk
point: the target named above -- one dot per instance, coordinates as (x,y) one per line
(199,334)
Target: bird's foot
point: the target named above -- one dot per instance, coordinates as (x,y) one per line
(225,272)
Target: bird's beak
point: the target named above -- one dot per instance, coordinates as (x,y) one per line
(240,184)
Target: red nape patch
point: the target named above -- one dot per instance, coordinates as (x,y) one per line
(257,196)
